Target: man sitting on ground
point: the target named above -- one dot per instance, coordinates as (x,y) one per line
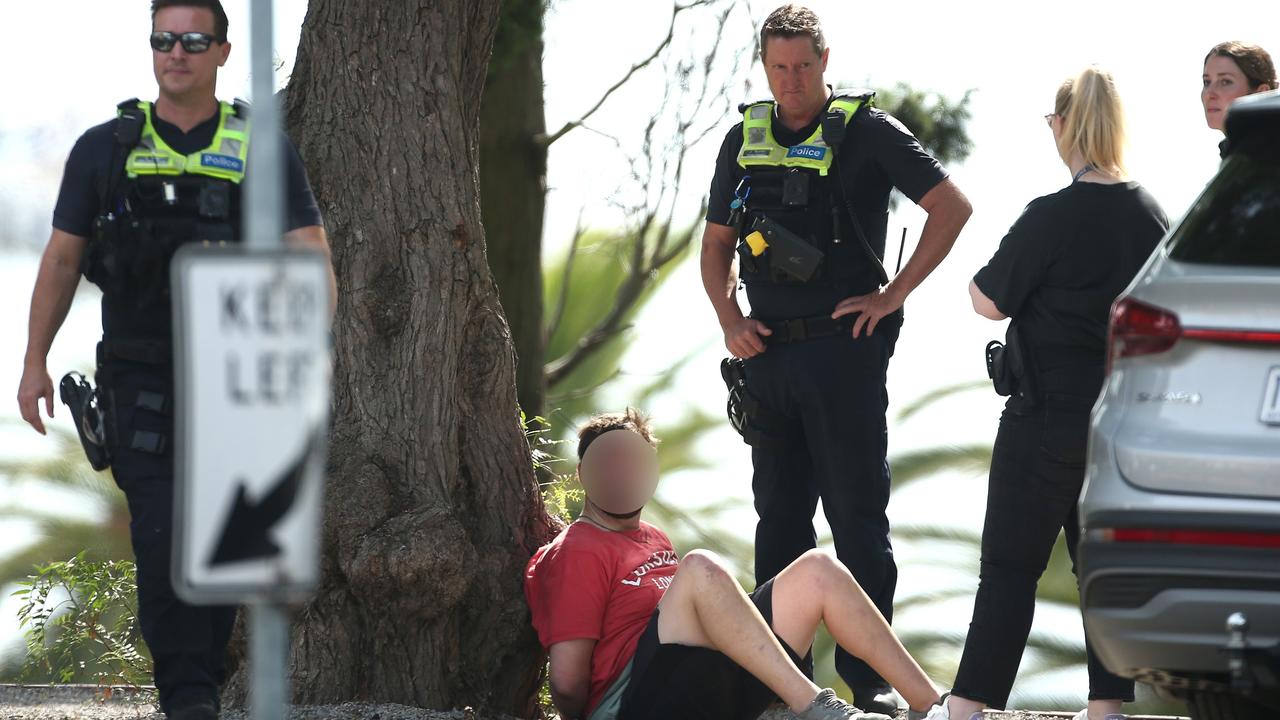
(637,633)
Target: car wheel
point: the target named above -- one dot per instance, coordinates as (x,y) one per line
(1204,705)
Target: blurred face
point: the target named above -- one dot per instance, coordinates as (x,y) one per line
(794,70)
(619,472)
(182,74)
(1223,83)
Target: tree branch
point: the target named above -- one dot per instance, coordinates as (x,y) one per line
(547,140)
(558,314)
(657,169)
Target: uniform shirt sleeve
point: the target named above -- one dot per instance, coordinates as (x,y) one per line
(1021,263)
(909,167)
(725,180)
(303,210)
(567,590)
(78,201)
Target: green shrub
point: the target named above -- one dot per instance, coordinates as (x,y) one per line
(80,620)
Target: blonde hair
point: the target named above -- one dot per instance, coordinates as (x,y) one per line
(1092,120)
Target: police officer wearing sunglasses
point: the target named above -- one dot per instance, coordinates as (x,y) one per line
(134,189)
(800,196)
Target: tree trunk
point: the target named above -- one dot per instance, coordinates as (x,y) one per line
(513,183)
(432,509)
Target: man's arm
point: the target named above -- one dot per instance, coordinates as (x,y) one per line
(314,237)
(741,334)
(571,676)
(50,300)
(948,211)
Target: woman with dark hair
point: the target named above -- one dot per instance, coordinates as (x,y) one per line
(1056,273)
(1232,70)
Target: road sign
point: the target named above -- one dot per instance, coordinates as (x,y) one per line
(252,375)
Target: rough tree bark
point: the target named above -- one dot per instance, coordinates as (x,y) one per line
(432,509)
(513,184)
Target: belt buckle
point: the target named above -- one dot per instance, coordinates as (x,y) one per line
(796,330)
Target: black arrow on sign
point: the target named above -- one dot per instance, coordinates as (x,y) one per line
(246,535)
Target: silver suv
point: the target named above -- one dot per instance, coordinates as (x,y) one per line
(1180,545)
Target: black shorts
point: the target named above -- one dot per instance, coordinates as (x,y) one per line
(672,682)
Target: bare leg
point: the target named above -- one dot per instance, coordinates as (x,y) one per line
(1100,709)
(818,588)
(963,708)
(706,607)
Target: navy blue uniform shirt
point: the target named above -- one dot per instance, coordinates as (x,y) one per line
(878,154)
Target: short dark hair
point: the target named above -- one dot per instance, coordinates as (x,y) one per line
(215,6)
(597,425)
(791,21)
(1252,60)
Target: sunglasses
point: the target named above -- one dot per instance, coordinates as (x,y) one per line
(192,42)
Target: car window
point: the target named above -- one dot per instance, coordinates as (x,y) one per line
(1237,220)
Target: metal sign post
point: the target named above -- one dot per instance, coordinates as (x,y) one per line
(263,216)
(252,369)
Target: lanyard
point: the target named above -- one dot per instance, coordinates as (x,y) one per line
(1083,171)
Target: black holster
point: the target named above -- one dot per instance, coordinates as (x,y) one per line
(85,404)
(1010,367)
(758,425)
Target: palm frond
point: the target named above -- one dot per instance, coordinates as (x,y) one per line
(914,465)
(924,401)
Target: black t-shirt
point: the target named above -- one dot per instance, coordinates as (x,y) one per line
(1062,265)
(878,154)
(90,162)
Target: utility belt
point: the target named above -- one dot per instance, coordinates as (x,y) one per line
(807,328)
(145,352)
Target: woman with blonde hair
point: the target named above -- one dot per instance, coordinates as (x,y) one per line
(1056,273)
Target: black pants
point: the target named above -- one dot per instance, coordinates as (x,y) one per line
(1037,470)
(187,642)
(833,388)
(678,682)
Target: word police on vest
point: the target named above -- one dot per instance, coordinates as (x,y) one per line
(807,151)
(269,374)
(226,162)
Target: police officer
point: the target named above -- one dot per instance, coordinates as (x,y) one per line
(134,189)
(800,195)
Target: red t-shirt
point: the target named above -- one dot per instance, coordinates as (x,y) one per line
(592,583)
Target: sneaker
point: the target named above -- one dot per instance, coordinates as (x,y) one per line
(826,706)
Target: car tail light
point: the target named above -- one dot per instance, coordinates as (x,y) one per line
(1227,538)
(1252,337)
(1140,329)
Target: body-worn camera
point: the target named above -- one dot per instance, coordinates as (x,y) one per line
(795,188)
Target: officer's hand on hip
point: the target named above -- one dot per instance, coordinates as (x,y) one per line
(870,308)
(34,386)
(743,337)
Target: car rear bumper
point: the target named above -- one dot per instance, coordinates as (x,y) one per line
(1158,611)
